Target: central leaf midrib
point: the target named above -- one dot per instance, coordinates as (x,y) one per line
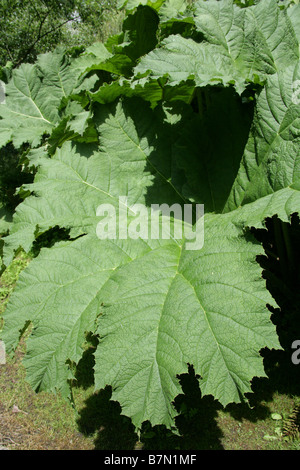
(209,326)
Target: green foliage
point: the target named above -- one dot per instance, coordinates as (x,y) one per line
(189,103)
(31,27)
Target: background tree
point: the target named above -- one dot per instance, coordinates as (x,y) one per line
(31,27)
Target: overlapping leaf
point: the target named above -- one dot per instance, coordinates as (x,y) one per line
(238,46)
(272,157)
(33,97)
(195,297)
(209,148)
(131,157)
(294,15)
(148,296)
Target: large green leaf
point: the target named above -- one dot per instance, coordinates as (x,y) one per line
(62,304)
(271,160)
(210,164)
(238,46)
(172,9)
(132,4)
(135,152)
(294,15)
(119,55)
(26,115)
(283,203)
(250,35)
(155,304)
(161,307)
(194,314)
(33,96)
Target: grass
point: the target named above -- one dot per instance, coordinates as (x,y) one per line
(45,421)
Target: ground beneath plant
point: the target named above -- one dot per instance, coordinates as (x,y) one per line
(30,421)
(43,421)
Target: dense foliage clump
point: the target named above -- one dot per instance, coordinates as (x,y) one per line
(31,27)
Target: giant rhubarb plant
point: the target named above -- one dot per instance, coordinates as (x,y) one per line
(189,105)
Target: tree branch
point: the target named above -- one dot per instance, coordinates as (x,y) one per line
(41,37)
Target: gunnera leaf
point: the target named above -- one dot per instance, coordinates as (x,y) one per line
(156,305)
(160,303)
